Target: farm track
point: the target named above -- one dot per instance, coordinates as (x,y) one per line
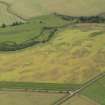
(69,94)
(84,86)
(11,12)
(31,90)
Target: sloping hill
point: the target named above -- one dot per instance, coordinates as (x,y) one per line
(6,17)
(31,8)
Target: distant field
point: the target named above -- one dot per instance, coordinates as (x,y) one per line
(96,91)
(80,100)
(31,8)
(7,18)
(28,98)
(73,50)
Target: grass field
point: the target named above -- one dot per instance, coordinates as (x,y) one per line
(28,98)
(37,30)
(96,91)
(61,52)
(31,8)
(80,100)
(73,50)
(29,30)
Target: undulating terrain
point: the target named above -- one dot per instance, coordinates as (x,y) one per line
(30,8)
(52,52)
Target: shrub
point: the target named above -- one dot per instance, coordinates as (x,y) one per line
(3,26)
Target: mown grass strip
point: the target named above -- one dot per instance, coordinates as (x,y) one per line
(38,86)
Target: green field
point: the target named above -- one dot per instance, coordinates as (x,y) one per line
(31,29)
(96,91)
(37,30)
(38,86)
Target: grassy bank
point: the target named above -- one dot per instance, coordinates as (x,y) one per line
(38,86)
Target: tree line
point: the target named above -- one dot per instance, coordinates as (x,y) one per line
(13,24)
(83,19)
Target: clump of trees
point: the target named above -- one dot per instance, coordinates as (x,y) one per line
(16,23)
(83,19)
(3,25)
(91,19)
(13,24)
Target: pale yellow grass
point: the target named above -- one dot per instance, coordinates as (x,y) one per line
(5,17)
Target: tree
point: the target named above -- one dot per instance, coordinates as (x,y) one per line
(3,26)
(16,23)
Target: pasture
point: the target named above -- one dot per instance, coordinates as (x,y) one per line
(28,98)
(32,8)
(32,29)
(38,30)
(38,86)
(80,100)
(96,91)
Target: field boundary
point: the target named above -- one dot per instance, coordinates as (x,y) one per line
(41,87)
(69,93)
(84,86)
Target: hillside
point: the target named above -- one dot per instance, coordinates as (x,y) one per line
(6,17)
(32,8)
(74,49)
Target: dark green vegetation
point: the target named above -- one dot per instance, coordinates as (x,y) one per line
(96,91)
(83,19)
(38,86)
